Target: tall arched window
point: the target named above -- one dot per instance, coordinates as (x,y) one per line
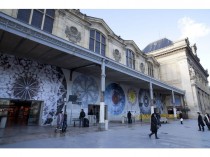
(40,18)
(150,69)
(97,42)
(130,58)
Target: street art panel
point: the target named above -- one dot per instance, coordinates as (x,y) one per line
(144,101)
(29,80)
(115,99)
(86,89)
(131,96)
(158,102)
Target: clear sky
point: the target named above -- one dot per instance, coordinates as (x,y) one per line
(147,25)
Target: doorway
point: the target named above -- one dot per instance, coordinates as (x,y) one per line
(20,112)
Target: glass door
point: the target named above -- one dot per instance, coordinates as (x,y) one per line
(34,113)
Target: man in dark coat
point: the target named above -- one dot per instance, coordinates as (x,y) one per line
(200,122)
(81,117)
(129,117)
(154,125)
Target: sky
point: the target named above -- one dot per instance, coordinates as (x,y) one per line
(144,26)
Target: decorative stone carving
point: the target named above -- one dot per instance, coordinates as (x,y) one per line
(142,67)
(117,55)
(73,34)
(192,73)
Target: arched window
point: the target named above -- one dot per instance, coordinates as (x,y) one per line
(97,42)
(150,69)
(39,18)
(130,58)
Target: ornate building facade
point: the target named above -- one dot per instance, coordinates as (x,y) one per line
(180,67)
(47,56)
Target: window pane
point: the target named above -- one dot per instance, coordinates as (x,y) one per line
(98,36)
(37,19)
(103,39)
(97,50)
(50,12)
(91,45)
(92,33)
(48,24)
(24,15)
(103,50)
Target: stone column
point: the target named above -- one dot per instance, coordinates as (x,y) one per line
(151,98)
(173,102)
(102,103)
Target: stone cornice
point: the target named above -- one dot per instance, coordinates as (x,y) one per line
(169,52)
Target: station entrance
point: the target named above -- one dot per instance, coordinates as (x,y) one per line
(15,112)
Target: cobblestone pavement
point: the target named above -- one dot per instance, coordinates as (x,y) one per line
(172,135)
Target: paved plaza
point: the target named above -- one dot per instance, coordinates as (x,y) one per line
(172,135)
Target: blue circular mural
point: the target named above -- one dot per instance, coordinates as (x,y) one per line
(115,98)
(86,89)
(144,100)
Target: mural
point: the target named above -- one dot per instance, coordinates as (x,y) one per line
(144,101)
(158,102)
(115,99)
(86,89)
(177,100)
(132,97)
(29,80)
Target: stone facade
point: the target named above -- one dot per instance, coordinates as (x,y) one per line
(175,65)
(180,67)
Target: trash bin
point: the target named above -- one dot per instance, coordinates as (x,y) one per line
(106,124)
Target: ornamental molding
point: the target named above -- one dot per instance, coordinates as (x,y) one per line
(169,52)
(142,67)
(117,55)
(73,34)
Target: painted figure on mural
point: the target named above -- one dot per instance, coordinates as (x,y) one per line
(154,125)
(49,118)
(200,122)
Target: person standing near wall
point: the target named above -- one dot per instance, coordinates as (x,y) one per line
(81,117)
(129,117)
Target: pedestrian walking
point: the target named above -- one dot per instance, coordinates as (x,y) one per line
(181,117)
(200,122)
(154,125)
